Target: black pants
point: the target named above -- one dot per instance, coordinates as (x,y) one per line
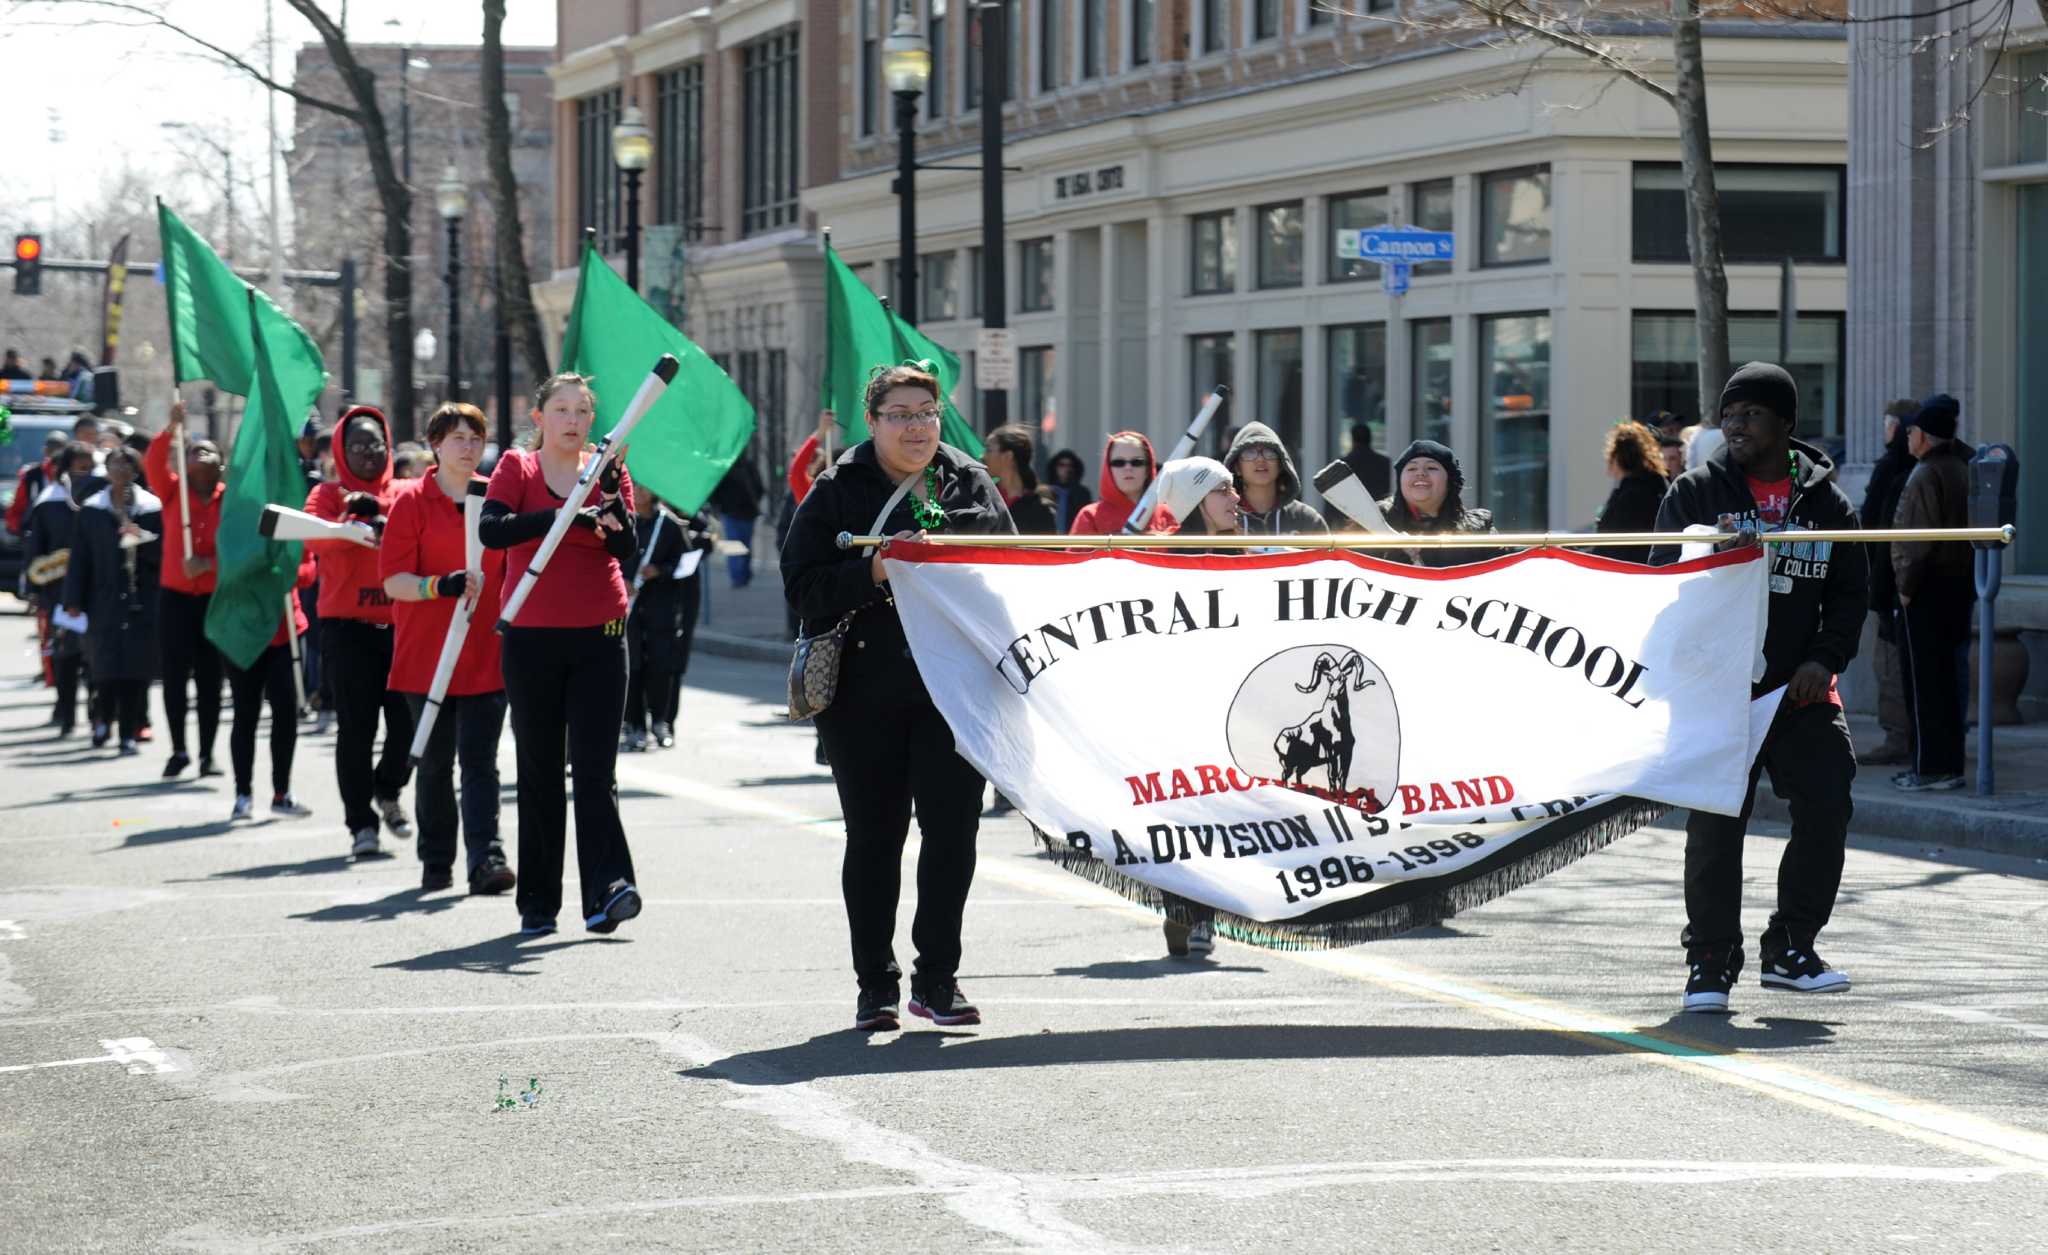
(68,665)
(309,648)
(892,752)
(1936,661)
(270,676)
(126,704)
(568,693)
(357,657)
(466,731)
(187,654)
(1812,764)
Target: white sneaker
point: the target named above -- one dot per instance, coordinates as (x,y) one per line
(244,807)
(1202,938)
(366,844)
(395,818)
(322,722)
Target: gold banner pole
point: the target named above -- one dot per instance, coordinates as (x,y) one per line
(1447,540)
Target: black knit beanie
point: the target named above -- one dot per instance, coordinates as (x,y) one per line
(1768,385)
(1938,416)
(1442,453)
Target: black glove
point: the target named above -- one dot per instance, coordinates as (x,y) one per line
(608,479)
(452,584)
(361,505)
(586,518)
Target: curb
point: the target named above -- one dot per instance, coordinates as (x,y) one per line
(1952,827)
(750,648)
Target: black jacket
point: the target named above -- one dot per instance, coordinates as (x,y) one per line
(1880,505)
(824,583)
(52,525)
(739,493)
(1632,507)
(1032,514)
(120,610)
(1454,517)
(1818,592)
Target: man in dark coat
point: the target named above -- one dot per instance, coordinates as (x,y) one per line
(1759,480)
(738,501)
(1937,585)
(115,557)
(1880,504)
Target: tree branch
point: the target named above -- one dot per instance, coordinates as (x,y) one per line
(1584,47)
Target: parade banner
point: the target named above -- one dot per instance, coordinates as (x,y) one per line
(1331,748)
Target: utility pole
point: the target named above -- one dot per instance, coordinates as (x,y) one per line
(995,306)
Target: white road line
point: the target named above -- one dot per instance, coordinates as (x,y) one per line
(141,1055)
(1974,1015)
(11,931)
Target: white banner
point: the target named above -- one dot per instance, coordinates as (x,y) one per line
(1332,742)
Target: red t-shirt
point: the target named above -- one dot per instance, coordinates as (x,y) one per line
(423,535)
(582,586)
(157,469)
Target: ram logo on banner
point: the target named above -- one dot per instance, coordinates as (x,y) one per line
(1326,748)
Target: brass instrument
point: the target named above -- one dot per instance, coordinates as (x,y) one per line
(49,568)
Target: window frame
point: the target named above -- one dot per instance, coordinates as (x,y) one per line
(867,87)
(1841,226)
(1414,217)
(1839,317)
(1260,279)
(1255,14)
(1139,49)
(1332,263)
(1025,275)
(1226,244)
(1091,40)
(1485,358)
(927,265)
(679,148)
(1214,17)
(934,102)
(600,184)
(1047,36)
(771,94)
(1486,179)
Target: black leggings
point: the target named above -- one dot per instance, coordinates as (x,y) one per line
(187,654)
(567,688)
(269,676)
(357,659)
(126,704)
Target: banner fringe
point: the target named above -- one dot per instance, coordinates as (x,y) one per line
(1388,921)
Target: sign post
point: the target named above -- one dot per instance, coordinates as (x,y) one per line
(995,359)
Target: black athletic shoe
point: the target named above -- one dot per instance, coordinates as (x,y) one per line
(176,766)
(492,877)
(436,877)
(944,1005)
(623,905)
(206,766)
(536,925)
(1799,968)
(1713,975)
(876,1011)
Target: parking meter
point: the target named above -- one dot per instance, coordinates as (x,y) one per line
(1994,502)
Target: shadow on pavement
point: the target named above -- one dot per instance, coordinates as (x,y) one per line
(500,956)
(1147,969)
(849,1052)
(161,836)
(271,871)
(770,782)
(412,901)
(115,792)
(1722,1034)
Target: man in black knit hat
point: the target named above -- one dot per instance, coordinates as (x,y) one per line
(1763,480)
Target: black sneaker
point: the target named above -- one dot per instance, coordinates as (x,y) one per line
(1176,939)
(944,1005)
(1713,975)
(492,877)
(436,877)
(207,767)
(623,905)
(176,766)
(1799,968)
(536,925)
(876,1011)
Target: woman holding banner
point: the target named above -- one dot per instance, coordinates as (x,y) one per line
(184,651)
(565,661)
(423,564)
(889,746)
(1429,487)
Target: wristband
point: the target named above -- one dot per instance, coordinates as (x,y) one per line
(427,592)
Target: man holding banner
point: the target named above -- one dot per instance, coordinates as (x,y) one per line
(1761,479)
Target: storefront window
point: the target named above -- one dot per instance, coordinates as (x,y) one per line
(1355,213)
(1514,432)
(1036,404)
(1768,213)
(1433,208)
(2032,423)
(1034,290)
(1666,368)
(1514,214)
(1430,386)
(1358,384)
(1280,245)
(1212,362)
(1213,240)
(1279,354)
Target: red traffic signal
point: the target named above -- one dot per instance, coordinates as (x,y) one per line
(28,265)
(28,248)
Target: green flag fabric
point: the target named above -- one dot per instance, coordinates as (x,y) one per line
(861,333)
(701,425)
(254,575)
(209,308)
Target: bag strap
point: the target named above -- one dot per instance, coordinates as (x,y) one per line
(889,507)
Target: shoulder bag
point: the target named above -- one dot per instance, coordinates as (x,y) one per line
(814,666)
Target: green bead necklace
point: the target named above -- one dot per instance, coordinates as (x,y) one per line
(925,511)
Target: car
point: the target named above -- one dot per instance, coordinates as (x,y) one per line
(32,421)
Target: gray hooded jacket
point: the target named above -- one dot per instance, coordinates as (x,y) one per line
(1290,515)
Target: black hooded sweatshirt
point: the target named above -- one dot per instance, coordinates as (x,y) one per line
(1819,592)
(1880,506)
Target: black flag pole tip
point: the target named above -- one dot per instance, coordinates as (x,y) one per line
(666,368)
(266,523)
(479,486)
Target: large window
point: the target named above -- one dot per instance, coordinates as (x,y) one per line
(1429,342)
(1318,15)
(1666,366)
(598,194)
(1265,19)
(1514,217)
(1037,405)
(2031,227)
(1768,213)
(1092,36)
(1141,32)
(1034,275)
(1279,358)
(1353,213)
(768,122)
(867,90)
(1049,44)
(935,31)
(679,164)
(1212,241)
(1432,206)
(1215,25)
(939,300)
(1358,386)
(1280,245)
(1212,360)
(2029,88)
(1514,430)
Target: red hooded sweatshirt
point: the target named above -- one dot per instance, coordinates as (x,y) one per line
(156,468)
(350,586)
(1110,510)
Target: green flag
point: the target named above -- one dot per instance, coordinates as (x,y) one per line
(254,575)
(701,425)
(209,309)
(860,334)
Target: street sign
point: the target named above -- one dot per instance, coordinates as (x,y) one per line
(1395,244)
(995,360)
(1394,277)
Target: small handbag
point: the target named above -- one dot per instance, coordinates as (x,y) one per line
(814,665)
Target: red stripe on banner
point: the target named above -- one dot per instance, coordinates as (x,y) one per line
(912,551)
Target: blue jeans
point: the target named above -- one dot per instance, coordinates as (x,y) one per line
(740,566)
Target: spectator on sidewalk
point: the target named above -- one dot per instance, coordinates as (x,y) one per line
(1369,464)
(1069,494)
(1008,455)
(1880,505)
(1936,587)
(1636,466)
(738,501)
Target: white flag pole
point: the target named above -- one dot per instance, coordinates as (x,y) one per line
(184,492)
(458,627)
(291,626)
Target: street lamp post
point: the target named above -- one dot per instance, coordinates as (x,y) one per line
(452,199)
(632,149)
(424,346)
(907,69)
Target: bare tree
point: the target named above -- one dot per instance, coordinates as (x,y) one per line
(515,299)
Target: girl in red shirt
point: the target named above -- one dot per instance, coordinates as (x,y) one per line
(565,659)
(187,589)
(423,563)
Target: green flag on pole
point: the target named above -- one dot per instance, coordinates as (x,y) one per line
(862,333)
(698,428)
(209,309)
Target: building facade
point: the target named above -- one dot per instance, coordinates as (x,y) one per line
(1185,169)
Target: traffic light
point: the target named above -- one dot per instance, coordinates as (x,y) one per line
(28,265)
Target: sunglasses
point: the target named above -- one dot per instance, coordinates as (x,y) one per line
(1123,462)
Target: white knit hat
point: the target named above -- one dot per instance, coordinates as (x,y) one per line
(1183,484)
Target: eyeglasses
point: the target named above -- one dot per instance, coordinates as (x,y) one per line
(910,418)
(1259,453)
(1124,462)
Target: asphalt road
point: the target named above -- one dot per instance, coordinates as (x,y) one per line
(217,1039)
